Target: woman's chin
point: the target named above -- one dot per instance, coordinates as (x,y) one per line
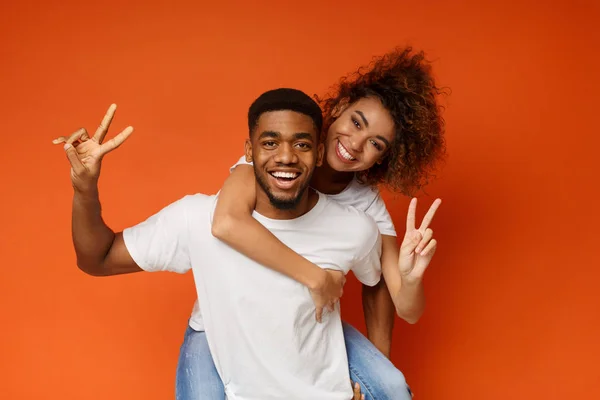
(335,164)
(338,165)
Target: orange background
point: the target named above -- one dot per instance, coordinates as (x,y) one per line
(512,293)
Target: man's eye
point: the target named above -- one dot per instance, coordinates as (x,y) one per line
(269,144)
(303,146)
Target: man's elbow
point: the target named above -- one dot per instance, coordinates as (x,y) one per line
(91,269)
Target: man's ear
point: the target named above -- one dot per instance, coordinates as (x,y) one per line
(320,154)
(248,150)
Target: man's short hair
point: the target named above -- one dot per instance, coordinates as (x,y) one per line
(288,100)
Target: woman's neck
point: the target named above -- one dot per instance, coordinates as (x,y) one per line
(329,181)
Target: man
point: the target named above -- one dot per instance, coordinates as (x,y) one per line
(260,324)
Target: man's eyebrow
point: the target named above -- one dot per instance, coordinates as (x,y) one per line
(269,134)
(304,135)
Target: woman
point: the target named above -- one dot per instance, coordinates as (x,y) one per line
(382,127)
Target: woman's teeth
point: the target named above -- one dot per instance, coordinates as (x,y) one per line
(345,153)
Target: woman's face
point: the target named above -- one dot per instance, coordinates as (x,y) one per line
(360,136)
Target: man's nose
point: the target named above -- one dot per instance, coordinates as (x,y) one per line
(286,154)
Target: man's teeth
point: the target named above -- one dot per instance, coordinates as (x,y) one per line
(345,153)
(287,175)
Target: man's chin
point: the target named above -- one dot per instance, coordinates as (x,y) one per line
(287,199)
(284,202)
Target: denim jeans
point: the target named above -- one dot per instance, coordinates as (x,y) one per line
(379,379)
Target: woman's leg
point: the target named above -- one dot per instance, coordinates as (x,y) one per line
(379,379)
(197,377)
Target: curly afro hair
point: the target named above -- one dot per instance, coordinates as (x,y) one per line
(403,82)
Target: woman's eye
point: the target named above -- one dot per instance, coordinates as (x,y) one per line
(377,145)
(356,123)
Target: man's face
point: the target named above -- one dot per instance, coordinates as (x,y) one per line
(285,150)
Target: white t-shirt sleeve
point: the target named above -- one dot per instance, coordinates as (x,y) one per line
(378,211)
(160,243)
(241,161)
(367,266)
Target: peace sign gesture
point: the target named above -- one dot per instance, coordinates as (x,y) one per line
(418,246)
(85,154)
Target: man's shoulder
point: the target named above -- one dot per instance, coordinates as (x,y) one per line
(198,203)
(199,199)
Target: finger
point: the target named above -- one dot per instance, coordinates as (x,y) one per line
(105,124)
(80,134)
(331,306)
(425,258)
(64,139)
(73,158)
(429,250)
(410,218)
(429,216)
(410,242)
(319,314)
(426,238)
(116,141)
(356,390)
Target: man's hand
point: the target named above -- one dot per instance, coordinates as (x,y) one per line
(85,154)
(328,291)
(357,395)
(418,246)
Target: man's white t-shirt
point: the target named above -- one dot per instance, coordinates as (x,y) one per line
(260,324)
(362,197)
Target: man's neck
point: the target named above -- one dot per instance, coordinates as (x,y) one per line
(264,207)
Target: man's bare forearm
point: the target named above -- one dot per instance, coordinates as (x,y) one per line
(92,238)
(379,313)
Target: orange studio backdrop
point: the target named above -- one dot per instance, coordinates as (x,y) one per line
(513,303)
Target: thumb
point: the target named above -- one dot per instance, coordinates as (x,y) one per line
(73,158)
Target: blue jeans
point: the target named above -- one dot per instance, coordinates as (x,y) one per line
(379,379)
